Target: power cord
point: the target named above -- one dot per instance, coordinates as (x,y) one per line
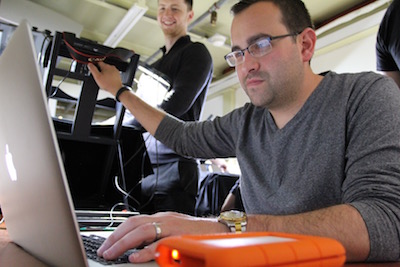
(127,195)
(122,172)
(111,214)
(61,81)
(156,184)
(43,59)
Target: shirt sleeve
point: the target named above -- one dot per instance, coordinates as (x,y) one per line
(372,168)
(206,139)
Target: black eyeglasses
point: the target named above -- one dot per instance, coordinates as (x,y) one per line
(258,49)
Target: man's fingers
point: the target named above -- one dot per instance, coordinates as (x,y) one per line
(93,69)
(144,255)
(127,239)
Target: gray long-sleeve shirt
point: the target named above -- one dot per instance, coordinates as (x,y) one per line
(343,146)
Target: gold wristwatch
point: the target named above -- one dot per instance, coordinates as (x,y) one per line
(234,219)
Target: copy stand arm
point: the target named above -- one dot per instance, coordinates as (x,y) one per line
(81,133)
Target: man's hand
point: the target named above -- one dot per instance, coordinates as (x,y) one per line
(107,78)
(139,231)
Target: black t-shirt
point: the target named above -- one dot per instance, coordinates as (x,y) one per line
(189,67)
(388,40)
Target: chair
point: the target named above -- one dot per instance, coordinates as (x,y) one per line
(212,192)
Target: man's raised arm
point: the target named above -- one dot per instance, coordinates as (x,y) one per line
(109,80)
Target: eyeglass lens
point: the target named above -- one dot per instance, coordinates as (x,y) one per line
(256,49)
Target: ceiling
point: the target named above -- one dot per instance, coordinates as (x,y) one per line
(100,17)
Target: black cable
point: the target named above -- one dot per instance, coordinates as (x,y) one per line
(134,155)
(40,55)
(122,172)
(122,166)
(61,81)
(156,184)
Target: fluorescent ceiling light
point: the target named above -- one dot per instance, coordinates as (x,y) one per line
(134,14)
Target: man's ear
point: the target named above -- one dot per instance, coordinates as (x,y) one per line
(308,40)
(190,15)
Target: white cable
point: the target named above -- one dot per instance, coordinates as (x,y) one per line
(119,187)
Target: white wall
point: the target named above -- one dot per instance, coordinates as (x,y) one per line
(353,57)
(213,107)
(13,11)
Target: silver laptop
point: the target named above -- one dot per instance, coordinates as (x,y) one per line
(34,194)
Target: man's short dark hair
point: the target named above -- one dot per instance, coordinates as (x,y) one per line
(295,15)
(189,4)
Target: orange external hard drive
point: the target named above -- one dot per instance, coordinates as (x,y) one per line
(249,249)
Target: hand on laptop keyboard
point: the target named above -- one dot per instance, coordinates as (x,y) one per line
(93,242)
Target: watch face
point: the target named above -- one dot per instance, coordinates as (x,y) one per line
(234,219)
(233,215)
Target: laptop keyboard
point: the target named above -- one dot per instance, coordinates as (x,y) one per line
(93,242)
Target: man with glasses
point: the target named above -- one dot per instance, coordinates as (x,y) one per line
(319,155)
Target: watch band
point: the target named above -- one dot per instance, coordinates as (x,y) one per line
(238,227)
(121,90)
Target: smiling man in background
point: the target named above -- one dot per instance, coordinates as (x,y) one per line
(188,67)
